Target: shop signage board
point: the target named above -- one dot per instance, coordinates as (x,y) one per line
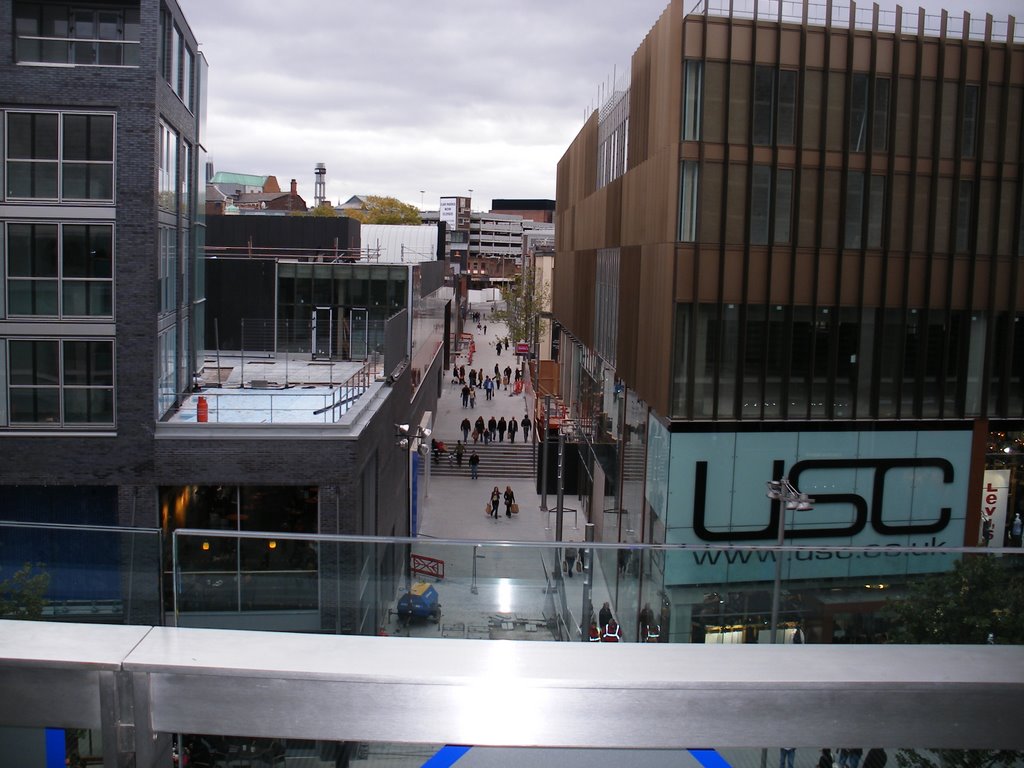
(994,496)
(871,489)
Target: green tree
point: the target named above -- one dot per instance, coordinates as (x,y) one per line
(378,209)
(325,210)
(525,299)
(979,598)
(23,595)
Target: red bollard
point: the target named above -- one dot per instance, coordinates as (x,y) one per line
(202,410)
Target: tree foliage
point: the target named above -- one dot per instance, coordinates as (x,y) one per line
(325,210)
(23,595)
(979,597)
(981,600)
(525,299)
(378,209)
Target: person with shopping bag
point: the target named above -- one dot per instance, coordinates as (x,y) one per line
(510,501)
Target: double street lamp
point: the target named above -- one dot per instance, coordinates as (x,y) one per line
(788,497)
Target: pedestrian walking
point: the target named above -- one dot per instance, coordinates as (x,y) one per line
(465,395)
(570,560)
(472,377)
(485,329)
(492,428)
(786,757)
(472,397)
(513,427)
(459,450)
(502,426)
(604,616)
(462,374)
(498,347)
(465,426)
(510,500)
(495,501)
(497,375)
(488,388)
(525,424)
(508,375)
(474,464)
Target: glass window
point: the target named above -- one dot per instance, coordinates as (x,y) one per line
(78,148)
(168,170)
(60,270)
(34,363)
(783,204)
(32,269)
(969,136)
(880,118)
(88,382)
(167,362)
(187,70)
(876,211)
(48,33)
(764,101)
(88,154)
(174,75)
(688,201)
(858,112)
(168,268)
(854,209)
(693,86)
(760,204)
(32,155)
(964,202)
(786,109)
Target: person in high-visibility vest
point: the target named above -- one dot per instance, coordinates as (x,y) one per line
(595,632)
(653,633)
(611,633)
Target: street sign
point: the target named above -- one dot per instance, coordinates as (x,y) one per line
(522,348)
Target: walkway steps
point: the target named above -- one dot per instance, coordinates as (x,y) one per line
(498,459)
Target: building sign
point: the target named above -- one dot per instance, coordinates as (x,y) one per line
(871,489)
(994,496)
(447,212)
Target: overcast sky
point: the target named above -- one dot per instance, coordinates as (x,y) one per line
(418,100)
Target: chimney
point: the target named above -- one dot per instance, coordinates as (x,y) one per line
(295,188)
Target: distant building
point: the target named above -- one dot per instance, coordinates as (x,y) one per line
(533,209)
(241,193)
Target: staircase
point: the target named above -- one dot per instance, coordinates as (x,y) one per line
(497,459)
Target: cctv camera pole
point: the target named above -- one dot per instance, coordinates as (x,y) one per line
(544,455)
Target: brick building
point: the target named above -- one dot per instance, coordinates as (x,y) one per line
(103,318)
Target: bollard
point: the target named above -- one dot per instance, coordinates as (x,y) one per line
(202,410)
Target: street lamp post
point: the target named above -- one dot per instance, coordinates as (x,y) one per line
(787,497)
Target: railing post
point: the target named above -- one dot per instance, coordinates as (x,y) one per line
(588,582)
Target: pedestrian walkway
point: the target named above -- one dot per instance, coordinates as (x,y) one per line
(491,590)
(453,505)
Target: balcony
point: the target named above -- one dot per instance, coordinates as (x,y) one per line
(727,681)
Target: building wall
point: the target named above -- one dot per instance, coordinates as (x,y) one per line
(912,211)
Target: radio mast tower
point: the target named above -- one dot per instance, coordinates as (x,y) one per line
(320,186)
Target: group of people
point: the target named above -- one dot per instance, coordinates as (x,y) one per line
(494,430)
(606,628)
(495,502)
